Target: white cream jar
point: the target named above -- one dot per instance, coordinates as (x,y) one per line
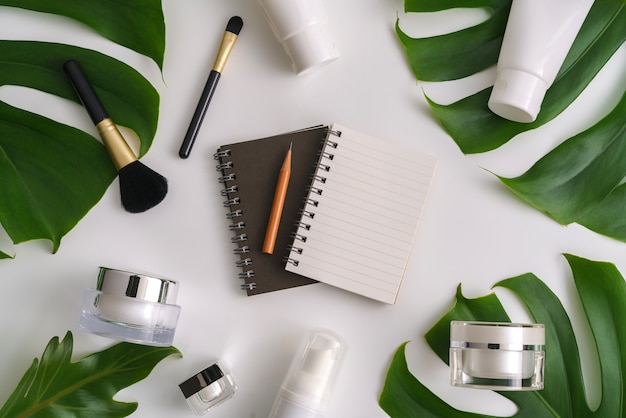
(131,307)
(497,355)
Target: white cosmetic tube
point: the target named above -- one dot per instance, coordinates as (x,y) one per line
(538,36)
(301,26)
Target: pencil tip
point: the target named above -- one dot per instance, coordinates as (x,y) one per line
(290,145)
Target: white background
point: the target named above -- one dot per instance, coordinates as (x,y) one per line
(473,231)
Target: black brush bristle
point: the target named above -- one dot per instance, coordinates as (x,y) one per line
(234,25)
(141,187)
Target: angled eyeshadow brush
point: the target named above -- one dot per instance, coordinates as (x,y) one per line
(141,188)
(231,34)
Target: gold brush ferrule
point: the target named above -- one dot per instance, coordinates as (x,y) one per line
(116,145)
(228,41)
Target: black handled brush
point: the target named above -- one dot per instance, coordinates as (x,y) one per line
(141,188)
(231,34)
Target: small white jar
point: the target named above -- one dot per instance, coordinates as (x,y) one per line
(208,388)
(497,355)
(131,307)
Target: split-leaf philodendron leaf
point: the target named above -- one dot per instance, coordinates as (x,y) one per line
(140,27)
(602,291)
(53,174)
(58,387)
(553,185)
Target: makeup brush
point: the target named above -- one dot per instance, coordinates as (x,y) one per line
(141,188)
(228,41)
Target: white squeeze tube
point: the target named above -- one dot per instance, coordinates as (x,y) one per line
(538,36)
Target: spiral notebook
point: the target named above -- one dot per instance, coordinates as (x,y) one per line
(361,215)
(249,171)
(351,213)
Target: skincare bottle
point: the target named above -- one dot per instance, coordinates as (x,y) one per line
(497,355)
(308,385)
(538,36)
(131,307)
(208,388)
(301,27)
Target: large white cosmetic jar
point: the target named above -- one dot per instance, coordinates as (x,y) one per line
(497,355)
(131,307)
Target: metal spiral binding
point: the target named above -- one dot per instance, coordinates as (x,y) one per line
(299,237)
(328,155)
(307,213)
(244,262)
(324,167)
(224,166)
(311,202)
(238,226)
(227,178)
(316,190)
(319,178)
(303,225)
(234,214)
(239,238)
(229,190)
(294,249)
(232,202)
(291,261)
(221,154)
(242,250)
(246,274)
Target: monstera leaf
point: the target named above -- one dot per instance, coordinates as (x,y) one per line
(550,186)
(602,291)
(58,387)
(53,174)
(140,27)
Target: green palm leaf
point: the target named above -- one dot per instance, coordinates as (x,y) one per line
(575,182)
(140,27)
(602,291)
(568,182)
(57,387)
(54,174)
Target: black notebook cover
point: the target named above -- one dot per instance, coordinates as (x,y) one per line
(249,174)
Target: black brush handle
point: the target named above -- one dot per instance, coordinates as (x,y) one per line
(85,91)
(198,115)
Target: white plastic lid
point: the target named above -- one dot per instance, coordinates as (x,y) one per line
(311,48)
(497,333)
(517,95)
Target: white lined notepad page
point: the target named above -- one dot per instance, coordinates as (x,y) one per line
(362,213)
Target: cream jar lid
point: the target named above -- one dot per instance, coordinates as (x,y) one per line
(201,380)
(497,333)
(138,286)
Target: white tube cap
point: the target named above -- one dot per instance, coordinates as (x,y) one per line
(311,48)
(517,95)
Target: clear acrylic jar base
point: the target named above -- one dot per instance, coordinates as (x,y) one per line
(520,370)
(135,334)
(467,381)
